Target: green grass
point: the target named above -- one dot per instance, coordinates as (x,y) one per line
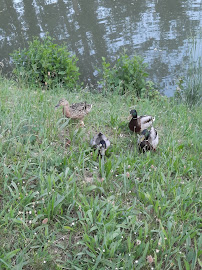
(56,212)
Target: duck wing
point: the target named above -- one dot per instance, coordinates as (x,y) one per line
(153,138)
(146,121)
(81,106)
(79,110)
(78,106)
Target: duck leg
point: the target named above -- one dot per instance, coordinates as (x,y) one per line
(81,123)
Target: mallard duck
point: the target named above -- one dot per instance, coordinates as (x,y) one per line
(148,140)
(139,123)
(75,110)
(100,142)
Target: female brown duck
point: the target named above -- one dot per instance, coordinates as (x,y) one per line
(75,110)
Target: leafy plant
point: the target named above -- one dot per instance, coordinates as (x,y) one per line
(127,75)
(189,89)
(46,64)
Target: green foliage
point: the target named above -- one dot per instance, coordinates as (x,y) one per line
(127,75)
(47,64)
(189,89)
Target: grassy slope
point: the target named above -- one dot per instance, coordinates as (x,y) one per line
(148,204)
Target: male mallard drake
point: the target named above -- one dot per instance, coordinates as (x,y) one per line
(148,140)
(139,123)
(100,142)
(75,110)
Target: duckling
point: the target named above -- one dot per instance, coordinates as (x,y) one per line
(75,110)
(100,142)
(148,140)
(139,123)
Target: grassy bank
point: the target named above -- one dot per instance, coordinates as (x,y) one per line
(56,212)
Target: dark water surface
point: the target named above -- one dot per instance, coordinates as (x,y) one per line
(158,30)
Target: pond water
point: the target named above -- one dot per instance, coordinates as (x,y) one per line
(159,30)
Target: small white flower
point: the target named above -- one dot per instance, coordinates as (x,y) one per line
(138,242)
(103,250)
(44,261)
(157,250)
(73,223)
(136,261)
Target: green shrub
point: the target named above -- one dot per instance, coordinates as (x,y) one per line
(46,64)
(127,75)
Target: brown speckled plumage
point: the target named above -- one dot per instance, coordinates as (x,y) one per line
(75,110)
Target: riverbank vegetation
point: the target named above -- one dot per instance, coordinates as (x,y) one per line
(46,64)
(60,209)
(57,212)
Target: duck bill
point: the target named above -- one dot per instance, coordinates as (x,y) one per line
(56,107)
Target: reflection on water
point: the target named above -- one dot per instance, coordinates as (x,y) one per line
(159,30)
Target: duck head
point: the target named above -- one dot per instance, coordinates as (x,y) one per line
(144,135)
(133,113)
(63,102)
